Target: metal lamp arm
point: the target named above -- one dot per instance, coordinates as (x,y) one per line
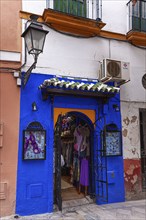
(27,74)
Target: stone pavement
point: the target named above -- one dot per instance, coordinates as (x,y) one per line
(131,210)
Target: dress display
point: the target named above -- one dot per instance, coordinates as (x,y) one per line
(84,174)
(75,149)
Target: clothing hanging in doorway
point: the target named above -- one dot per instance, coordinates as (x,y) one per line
(75,149)
(67,152)
(81,137)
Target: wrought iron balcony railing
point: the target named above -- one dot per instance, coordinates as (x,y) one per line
(82,8)
(137,15)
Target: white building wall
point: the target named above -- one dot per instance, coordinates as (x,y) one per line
(115,15)
(36,7)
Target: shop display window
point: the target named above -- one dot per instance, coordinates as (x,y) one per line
(34,142)
(112,141)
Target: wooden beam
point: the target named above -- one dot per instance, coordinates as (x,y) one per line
(61,92)
(112,35)
(69,30)
(65,21)
(137,38)
(73,26)
(26,15)
(71,18)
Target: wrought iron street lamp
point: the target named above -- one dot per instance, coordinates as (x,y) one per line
(34,37)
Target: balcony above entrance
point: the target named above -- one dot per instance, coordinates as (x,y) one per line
(71,24)
(137,22)
(76,87)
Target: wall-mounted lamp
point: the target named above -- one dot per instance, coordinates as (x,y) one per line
(34,106)
(116,107)
(34,37)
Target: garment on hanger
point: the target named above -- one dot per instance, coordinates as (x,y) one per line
(67,152)
(62,161)
(85,140)
(76,168)
(78,137)
(63,149)
(84,172)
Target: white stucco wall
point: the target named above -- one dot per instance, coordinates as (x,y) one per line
(115,15)
(36,7)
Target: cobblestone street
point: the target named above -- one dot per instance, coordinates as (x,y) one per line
(131,210)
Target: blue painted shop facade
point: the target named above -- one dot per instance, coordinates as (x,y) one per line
(87,104)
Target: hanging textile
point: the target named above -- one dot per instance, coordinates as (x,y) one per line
(78,138)
(84,172)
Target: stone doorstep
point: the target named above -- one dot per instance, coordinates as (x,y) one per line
(76,203)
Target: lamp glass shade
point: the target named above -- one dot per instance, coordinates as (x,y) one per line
(34,37)
(28,41)
(38,39)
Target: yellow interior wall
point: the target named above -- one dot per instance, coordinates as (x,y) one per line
(89,113)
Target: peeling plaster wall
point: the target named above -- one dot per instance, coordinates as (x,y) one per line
(131,149)
(130,130)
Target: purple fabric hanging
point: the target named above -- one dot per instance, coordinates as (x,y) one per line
(84,173)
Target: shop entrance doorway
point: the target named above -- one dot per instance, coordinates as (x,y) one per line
(73,157)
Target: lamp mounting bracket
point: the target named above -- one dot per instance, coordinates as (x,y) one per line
(27,74)
(34,17)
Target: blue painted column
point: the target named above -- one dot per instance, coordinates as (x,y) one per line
(35,177)
(113,190)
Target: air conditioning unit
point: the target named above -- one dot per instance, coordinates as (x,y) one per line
(114,70)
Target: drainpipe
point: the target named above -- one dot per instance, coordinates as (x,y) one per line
(25,51)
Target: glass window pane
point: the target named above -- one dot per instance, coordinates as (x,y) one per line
(135,9)
(38,39)
(28,41)
(143,8)
(75,7)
